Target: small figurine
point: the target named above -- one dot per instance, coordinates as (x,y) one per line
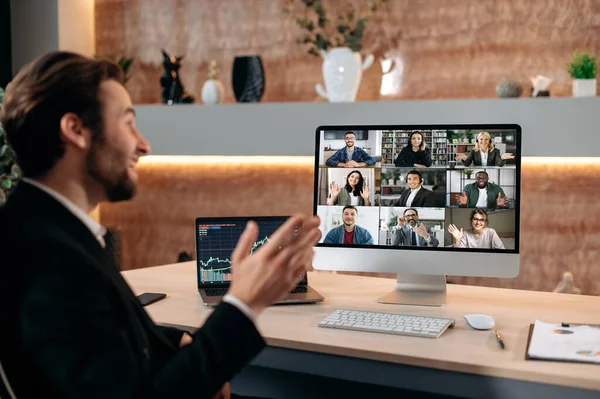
(172,89)
(567,286)
(212,90)
(540,86)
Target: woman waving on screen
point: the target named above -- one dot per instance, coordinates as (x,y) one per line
(356,192)
(484,153)
(479,236)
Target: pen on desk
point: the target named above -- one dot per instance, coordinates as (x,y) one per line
(499,339)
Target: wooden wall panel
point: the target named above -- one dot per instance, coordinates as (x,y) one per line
(559,215)
(446,48)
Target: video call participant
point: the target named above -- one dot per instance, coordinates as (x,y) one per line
(71,326)
(415,154)
(351,156)
(479,236)
(417,196)
(483,194)
(355,192)
(409,231)
(484,153)
(349,232)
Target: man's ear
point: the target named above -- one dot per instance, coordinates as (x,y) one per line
(73,132)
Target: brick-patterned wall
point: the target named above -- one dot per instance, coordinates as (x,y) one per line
(560,229)
(444,49)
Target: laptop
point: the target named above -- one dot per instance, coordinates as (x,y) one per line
(216,238)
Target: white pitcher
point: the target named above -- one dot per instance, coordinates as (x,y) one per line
(342,72)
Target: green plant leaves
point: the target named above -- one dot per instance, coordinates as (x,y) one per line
(583,66)
(9,171)
(346,32)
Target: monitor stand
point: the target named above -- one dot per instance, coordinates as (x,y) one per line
(417,289)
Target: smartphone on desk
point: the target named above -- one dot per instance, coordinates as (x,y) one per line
(150,297)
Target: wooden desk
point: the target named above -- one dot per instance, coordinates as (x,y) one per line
(463,362)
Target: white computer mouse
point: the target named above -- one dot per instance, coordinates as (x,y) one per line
(480,321)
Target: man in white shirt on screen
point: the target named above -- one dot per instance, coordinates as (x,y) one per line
(417,196)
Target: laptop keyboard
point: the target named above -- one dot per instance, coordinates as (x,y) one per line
(215,291)
(301,289)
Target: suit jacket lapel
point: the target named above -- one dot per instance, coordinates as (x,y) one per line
(417,197)
(28,198)
(404,197)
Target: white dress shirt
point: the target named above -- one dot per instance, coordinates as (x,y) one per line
(411,197)
(99,231)
(484,157)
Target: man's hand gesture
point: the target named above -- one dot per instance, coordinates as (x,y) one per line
(274,269)
(501,201)
(462,199)
(421,231)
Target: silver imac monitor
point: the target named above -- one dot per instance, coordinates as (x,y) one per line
(421,201)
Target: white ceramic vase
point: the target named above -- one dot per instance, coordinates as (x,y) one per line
(584,87)
(212,92)
(342,73)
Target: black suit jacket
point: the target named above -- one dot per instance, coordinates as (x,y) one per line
(72,327)
(494,158)
(424,198)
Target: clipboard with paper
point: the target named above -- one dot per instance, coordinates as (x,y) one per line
(564,342)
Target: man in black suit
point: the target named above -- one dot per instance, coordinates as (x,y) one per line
(409,231)
(71,326)
(417,196)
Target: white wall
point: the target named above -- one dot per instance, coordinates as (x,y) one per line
(76,26)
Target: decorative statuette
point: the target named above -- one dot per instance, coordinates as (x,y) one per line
(212,90)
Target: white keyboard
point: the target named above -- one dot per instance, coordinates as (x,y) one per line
(388,323)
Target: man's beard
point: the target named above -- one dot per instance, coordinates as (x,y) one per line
(122,189)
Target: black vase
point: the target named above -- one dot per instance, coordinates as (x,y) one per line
(248,79)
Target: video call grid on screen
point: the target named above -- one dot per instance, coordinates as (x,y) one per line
(450,177)
(216,239)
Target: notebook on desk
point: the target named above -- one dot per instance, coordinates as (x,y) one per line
(216,238)
(563,342)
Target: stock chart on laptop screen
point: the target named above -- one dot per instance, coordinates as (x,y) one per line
(216,241)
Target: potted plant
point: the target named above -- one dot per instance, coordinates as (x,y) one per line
(583,68)
(123,62)
(9,171)
(468,172)
(339,42)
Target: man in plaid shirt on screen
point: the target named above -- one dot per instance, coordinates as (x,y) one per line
(350,156)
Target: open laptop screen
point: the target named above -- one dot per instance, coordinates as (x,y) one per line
(216,239)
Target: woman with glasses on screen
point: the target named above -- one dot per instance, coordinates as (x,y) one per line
(480,236)
(484,153)
(355,192)
(415,154)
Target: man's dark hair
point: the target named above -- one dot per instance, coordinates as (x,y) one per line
(41,94)
(410,209)
(347,133)
(350,207)
(482,171)
(415,172)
